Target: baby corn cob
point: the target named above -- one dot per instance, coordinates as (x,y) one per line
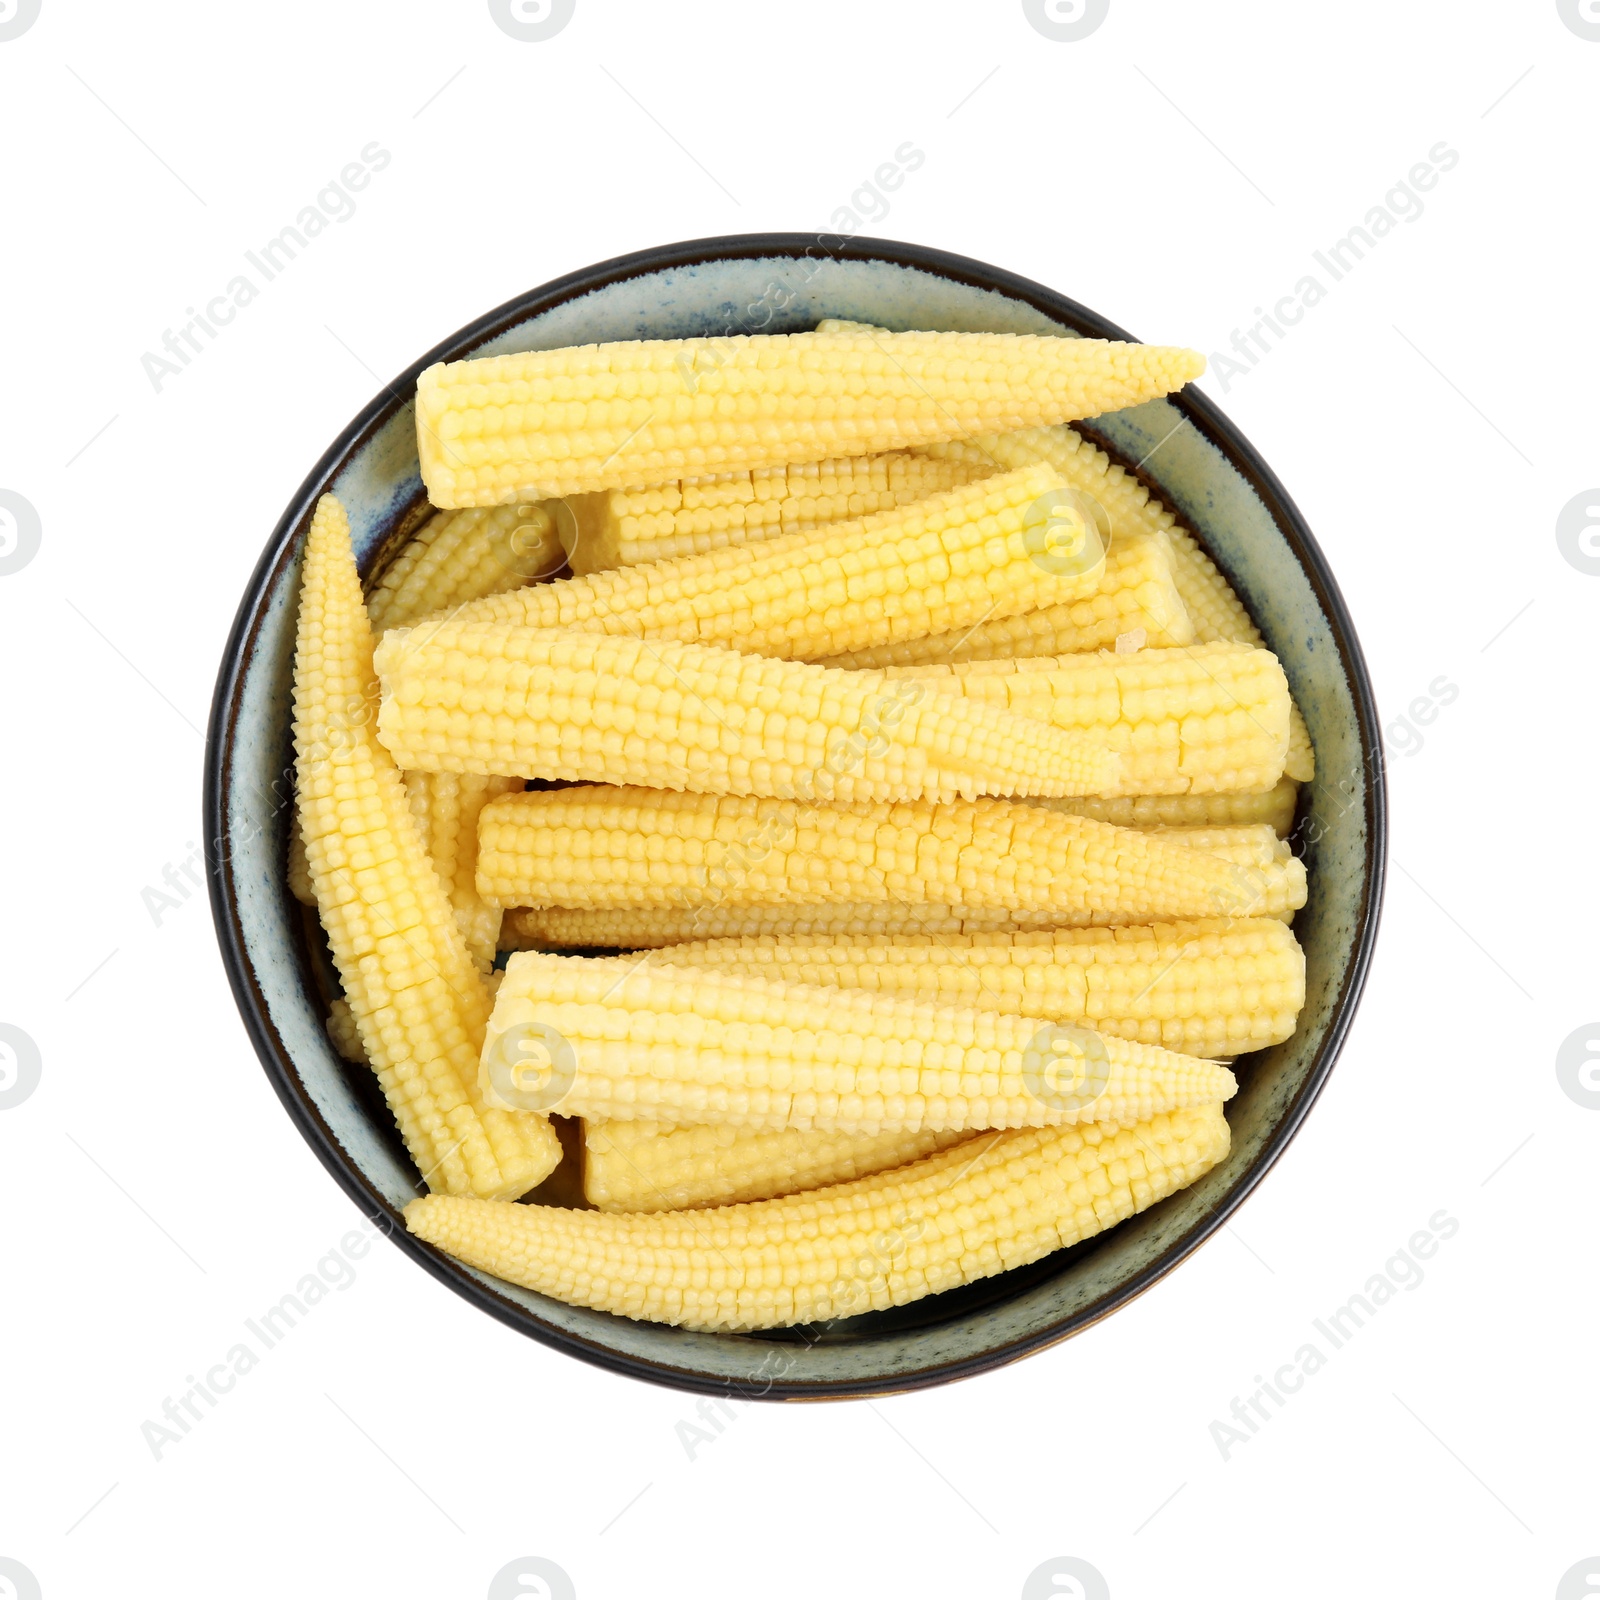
(1217,988)
(344,1033)
(1274,807)
(1282,877)
(1135,601)
(491,697)
(559,422)
(1199,720)
(983,1206)
(1218,613)
(418,1003)
(991,548)
(601,847)
(678,1044)
(457,556)
(446,807)
(657,1166)
(622,527)
(299,874)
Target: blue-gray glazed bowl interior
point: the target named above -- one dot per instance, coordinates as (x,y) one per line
(1189,454)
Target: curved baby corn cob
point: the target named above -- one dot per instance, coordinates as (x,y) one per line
(1216,988)
(457,556)
(1274,807)
(446,806)
(496,698)
(600,847)
(623,527)
(559,422)
(418,1003)
(661,1166)
(991,548)
(1134,600)
(983,1206)
(631,1039)
(1198,720)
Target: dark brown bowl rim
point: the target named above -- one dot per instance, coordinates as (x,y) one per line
(223,726)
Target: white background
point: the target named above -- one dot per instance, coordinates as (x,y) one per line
(1173,171)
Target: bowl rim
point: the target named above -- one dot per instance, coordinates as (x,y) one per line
(222,730)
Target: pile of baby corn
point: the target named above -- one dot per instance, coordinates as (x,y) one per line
(928,771)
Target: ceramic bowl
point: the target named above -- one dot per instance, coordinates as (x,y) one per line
(1190,455)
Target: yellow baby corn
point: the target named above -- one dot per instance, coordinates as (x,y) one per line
(299,874)
(658,1166)
(1216,988)
(457,556)
(446,807)
(1135,603)
(344,1033)
(991,548)
(622,527)
(988,1204)
(1218,613)
(1278,876)
(1274,806)
(418,1003)
(496,698)
(599,847)
(1200,720)
(624,1038)
(560,422)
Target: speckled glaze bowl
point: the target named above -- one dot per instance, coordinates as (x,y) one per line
(1189,454)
